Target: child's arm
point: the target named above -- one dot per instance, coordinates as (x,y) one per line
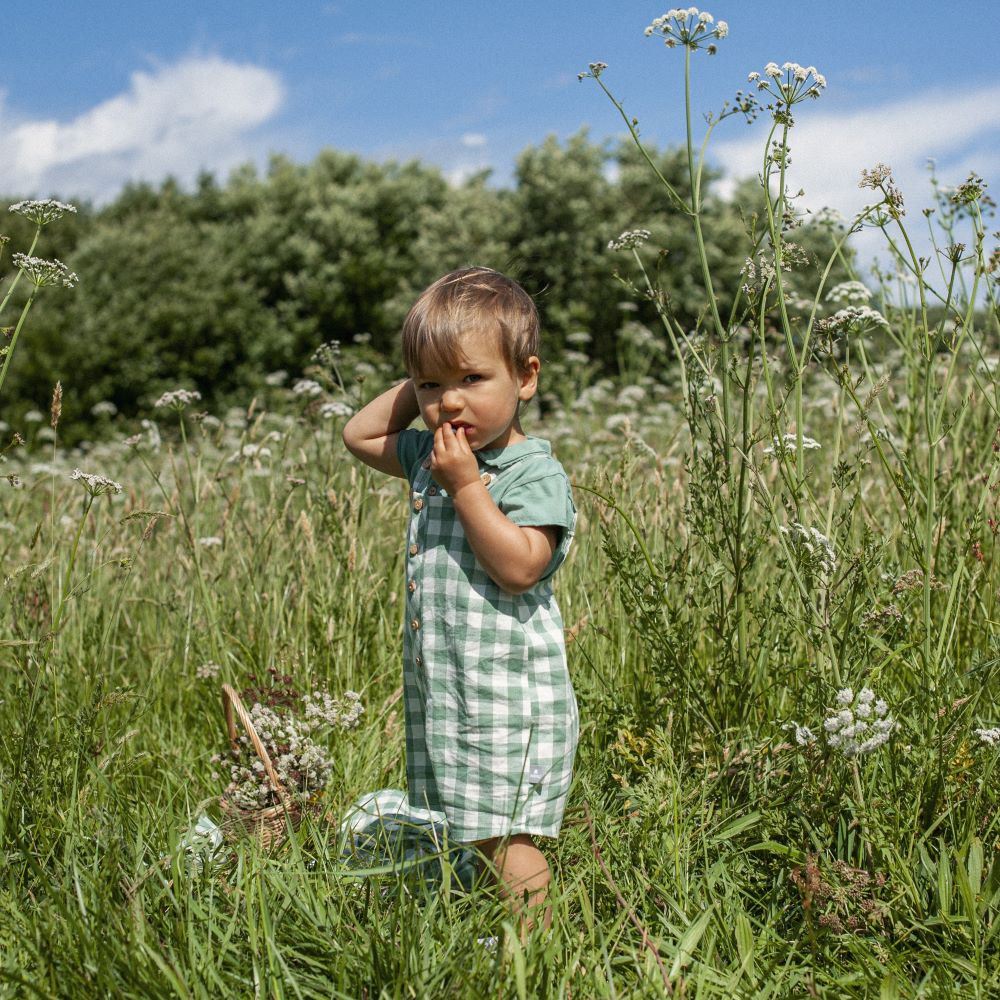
(514,556)
(372,432)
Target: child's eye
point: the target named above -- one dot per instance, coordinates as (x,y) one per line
(427,385)
(473,378)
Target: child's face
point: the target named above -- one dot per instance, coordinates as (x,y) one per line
(481,394)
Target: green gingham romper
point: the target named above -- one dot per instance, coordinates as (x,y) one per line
(491,720)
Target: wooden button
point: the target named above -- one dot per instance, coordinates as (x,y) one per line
(417,660)
(414,549)
(411,586)
(414,624)
(432,492)
(486,479)
(418,504)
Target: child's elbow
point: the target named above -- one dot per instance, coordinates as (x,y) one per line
(352,440)
(518,583)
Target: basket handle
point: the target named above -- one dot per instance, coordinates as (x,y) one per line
(231,703)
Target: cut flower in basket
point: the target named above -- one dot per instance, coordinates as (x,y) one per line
(287,730)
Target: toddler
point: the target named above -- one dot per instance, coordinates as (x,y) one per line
(491,720)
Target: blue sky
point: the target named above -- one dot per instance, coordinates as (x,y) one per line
(93,95)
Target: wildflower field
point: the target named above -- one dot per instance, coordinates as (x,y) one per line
(783,625)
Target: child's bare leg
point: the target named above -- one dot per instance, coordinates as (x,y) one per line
(523,875)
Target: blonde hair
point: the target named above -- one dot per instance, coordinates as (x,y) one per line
(472,300)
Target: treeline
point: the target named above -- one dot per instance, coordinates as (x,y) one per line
(214,287)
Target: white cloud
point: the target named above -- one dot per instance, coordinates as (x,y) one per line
(177,119)
(473,140)
(959,129)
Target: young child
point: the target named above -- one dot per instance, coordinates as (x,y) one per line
(491,720)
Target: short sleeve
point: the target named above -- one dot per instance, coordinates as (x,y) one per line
(542,502)
(412,448)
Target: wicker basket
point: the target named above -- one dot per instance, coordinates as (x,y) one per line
(268,825)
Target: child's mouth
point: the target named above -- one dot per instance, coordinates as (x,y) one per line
(455,424)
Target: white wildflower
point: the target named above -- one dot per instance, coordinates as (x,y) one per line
(852,293)
(335,409)
(43,272)
(279,377)
(847,727)
(207,671)
(96,485)
(629,240)
(104,408)
(786,443)
(852,320)
(813,549)
(210,541)
(34,417)
(991,737)
(804,736)
(791,84)
(307,387)
(42,211)
(177,399)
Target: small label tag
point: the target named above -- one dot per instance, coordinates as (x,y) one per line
(536,774)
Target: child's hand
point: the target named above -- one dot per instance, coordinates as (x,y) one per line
(453,464)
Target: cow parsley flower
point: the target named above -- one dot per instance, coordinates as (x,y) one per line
(804,736)
(858,724)
(852,321)
(177,399)
(41,272)
(813,550)
(786,443)
(690,27)
(335,409)
(42,211)
(789,83)
(96,485)
(852,293)
(991,737)
(307,387)
(629,240)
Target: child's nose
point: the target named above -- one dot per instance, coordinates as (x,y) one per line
(451,400)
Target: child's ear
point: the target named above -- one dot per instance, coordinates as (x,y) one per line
(529,378)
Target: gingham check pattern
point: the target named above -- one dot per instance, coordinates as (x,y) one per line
(491,720)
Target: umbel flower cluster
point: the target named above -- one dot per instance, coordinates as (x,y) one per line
(178,399)
(814,551)
(95,484)
(42,211)
(41,272)
(629,240)
(301,763)
(857,724)
(688,26)
(789,82)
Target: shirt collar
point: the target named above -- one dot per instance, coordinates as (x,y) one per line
(501,458)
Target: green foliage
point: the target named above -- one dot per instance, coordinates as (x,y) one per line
(213,287)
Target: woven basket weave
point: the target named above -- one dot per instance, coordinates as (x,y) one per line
(269,825)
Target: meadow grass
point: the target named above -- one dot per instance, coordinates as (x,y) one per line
(781,612)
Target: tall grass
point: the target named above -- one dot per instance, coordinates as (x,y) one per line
(729,581)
